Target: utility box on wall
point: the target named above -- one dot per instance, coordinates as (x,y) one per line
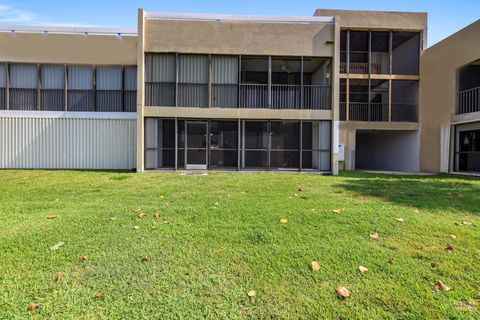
(341,152)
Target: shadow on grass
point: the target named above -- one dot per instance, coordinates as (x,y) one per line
(439,192)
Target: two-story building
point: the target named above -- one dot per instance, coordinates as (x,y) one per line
(339,90)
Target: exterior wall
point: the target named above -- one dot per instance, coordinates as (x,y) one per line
(239,37)
(68,48)
(438,88)
(71,140)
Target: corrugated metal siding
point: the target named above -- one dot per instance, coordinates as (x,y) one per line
(52,77)
(67,143)
(130,79)
(160,67)
(193,69)
(3,75)
(23,76)
(80,78)
(224,70)
(109,78)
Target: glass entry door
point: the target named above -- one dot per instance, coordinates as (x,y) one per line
(196,143)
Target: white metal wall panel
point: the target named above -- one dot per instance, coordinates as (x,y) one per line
(193,69)
(54,140)
(225,69)
(3,75)
(80,78)
(52,77)
(23,76)
(160,67)
(130,79)
(109,78)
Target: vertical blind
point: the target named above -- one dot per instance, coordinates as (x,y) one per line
(109,89)
(23,85)
(52,81)
(224,81)
(3,85)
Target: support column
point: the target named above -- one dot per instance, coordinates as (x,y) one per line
(140,92)
(270,82)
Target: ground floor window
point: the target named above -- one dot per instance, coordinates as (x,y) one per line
(467,147)
(237,144)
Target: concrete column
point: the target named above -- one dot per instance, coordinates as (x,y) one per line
(140,91)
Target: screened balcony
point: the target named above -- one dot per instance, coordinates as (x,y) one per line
(222,81)
(468,97)
(55,87)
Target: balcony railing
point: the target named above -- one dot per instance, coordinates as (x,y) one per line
(286,96)
(469,101)
(378,112)
(254,96)
(362,68)
(317,97)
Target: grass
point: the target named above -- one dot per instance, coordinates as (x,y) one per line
(225,239)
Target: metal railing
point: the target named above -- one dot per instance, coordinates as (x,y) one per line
(469,101)
(343,111)
(362,68)
(253,96)
(192,95)
(286,96)
(404,112)
(23,99)
(317,97)
(364,111)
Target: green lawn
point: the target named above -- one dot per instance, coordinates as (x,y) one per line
(225,239)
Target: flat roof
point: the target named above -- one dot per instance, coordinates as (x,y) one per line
(68,30)
(239,18)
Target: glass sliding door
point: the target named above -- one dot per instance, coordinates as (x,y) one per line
(223,144)
(285,145)
(196,143)
(255,145)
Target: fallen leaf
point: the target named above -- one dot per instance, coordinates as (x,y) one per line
(154,227)
(136,227)
(467,223)
(401,220)
(391,261)
(343,292)
(167,222)
(33,306)
(216,204)
(83,258)
(337,210)
(98,295)
(113,218)
(417,211)
(56,200)
(300,189)
(59,278)
(283,221)
(251,293)
(52,216)
(142,215)
(449,249)
(363,269)
(434,265)
(157,215)
(57,246)
(313,209)
(315,266)
(442,286)
(373,235)
(145,259)
(137,210)
(453,236)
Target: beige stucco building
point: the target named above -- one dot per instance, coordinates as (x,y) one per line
(339,90)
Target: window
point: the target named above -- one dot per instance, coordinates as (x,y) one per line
(130,89)
(80,88)
(380,55)
(193,81)
(316,142)
(3,86)
(378,100)
(224,81)
(359,42)
(160,75)
(404,100)
(109,89)
(254,82)
(23,87)
(256,144)
(52,82)
(285,144)
(406,53)
(223,144)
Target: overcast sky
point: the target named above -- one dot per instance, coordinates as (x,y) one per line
(445,16)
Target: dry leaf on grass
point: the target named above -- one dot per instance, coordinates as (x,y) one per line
(363,269)
(98,295)
(467,223)
(52,216)
(337,210)
(157,215)
(145,259)
(449,249)
(417,211)
(343,292)
(142,215)
(453,236)
(113,218)
(391,261)
(401,220)
(167,222)
(154,227)
(251,293)
(33,306)
(442,286)
(216,204)
(59,278)
(373,235)
(315,266)
(137,210)
(83,258)
(434,265)
(57,246)
(136,227)
(283,221)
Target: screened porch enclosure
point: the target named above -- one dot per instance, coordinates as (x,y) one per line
(237,144)
(233,81)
